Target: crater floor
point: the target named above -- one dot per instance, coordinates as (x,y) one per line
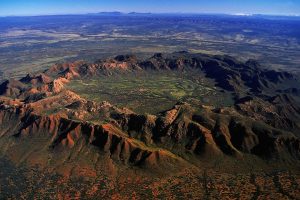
(152,92)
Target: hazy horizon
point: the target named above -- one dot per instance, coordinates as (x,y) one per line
(54,7)
(155,13)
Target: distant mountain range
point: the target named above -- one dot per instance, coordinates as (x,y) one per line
(118,13)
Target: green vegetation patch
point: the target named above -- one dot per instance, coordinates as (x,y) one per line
(150,92)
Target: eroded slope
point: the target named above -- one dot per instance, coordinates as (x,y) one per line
(46,125)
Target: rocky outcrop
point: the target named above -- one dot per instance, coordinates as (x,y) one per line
(65,134)
(39,107)
(212,132)
(281,111)
(12,88)
(229,74)
(36,79)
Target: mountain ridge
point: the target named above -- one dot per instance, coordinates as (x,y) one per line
(45,124)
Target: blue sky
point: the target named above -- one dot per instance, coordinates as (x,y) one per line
(40,7)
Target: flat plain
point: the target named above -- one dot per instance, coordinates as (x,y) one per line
(28,44)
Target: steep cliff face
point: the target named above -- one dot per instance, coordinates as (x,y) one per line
(54,135)
(210,131)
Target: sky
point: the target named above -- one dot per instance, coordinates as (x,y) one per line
(46,7)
